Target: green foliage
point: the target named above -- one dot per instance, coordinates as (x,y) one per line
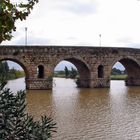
(50,78)
(14,74)
(66,72)
(116,71)
(4,69)
(78,83)
(73,73)
(118,77)
(9,74)
(59,74)
(16,124)
(117,74)
(9,13)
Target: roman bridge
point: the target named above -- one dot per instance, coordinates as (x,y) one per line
(94,64)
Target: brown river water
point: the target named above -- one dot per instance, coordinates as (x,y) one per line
(87,114)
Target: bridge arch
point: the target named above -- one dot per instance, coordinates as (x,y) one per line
(22,66)
(18,62)
(132,68)
(83,70)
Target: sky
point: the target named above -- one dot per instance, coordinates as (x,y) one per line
(80,23)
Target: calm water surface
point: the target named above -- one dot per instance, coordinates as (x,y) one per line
(87,114)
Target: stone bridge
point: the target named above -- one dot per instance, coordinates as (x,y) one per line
(94,64)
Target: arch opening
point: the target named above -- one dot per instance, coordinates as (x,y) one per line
(128,70)
(14,73)
(118,72)
(40,71)
(100,71)
(75,69)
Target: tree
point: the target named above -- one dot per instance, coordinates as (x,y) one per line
(4,69)
(10,13)
(73,73)
(66,72)
(116,71)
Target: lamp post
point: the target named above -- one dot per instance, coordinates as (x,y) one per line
(25,36)
(100,40)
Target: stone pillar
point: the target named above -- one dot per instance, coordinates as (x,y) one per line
(84,83)
(38,84)
(101,82)
(33,82)
(132,81)
(94,83)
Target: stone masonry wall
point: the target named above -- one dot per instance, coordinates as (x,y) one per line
(86,59)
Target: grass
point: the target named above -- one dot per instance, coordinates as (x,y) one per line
(118,77)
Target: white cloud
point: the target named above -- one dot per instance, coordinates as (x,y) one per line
(79,22)
(79,7)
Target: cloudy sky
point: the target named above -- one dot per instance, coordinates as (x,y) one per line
(80,22)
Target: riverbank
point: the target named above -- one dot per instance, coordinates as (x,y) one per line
(15,75)
(118,77)
(112,77)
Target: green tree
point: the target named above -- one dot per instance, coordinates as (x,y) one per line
(4,69)
(12,73)
(10,13)
(116,71)
(73,73)
(66,72)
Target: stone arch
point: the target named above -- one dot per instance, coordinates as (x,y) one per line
(83,70)
(23,67)
(100,71)
(18,62)
(132,68)
(40,71)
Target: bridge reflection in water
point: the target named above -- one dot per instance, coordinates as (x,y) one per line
(89,114)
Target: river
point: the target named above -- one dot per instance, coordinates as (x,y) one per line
(87,114)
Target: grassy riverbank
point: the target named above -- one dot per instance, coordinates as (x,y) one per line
(118,77)
(15,74)
(112,77)
(60,75)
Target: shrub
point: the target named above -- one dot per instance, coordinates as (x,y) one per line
(16,124)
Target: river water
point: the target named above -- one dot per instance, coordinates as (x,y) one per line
(87,114)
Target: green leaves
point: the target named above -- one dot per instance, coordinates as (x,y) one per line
(16,124)
(9,13)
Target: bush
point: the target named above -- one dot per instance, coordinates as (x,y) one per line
(16,124)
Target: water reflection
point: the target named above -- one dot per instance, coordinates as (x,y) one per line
(89,114)
(16,85)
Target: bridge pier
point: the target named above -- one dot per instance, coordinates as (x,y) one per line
(101,82)
(84,83)
(38,84)
(132,81)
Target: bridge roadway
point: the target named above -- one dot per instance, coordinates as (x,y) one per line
(94,64)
